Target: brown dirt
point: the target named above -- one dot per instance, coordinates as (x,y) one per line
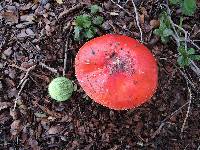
(31,33)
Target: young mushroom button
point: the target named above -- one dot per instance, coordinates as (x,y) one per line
(116,71)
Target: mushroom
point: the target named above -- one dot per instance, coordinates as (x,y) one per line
(116,71)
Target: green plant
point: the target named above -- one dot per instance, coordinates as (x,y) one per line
(188,7)
(60,88)
(186,55)
(86,25)
(165,31)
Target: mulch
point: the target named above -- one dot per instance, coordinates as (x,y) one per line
(34,34)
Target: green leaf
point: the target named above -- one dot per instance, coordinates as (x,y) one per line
(188,7)
(164,31)
(89,33)
(195,57)
(165,19)
(167,32)
(182,51)
(181,21)
(98,20)
(164,39)
(183,61)
(77,31)
(83,21)
(191,51)
(174,1)
(95,8)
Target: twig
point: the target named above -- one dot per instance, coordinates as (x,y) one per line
(191,42)
(195,68)
(186,146)
(121,8)
(176,36)
(188,110)
(194,44)
(49,68)
(22,82)
(175,112)
(198,147)
(19,93)
(65,58)
(20,68)
(187,78)
(168,117)
(67,11)
(26,75)
(136,16)
(137,21)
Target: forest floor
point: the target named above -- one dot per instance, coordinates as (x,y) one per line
(33,36)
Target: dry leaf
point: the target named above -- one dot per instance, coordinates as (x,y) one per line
(4,117)
(14,114)
(22,34)
(55,129)
(59,1)
(10,16)
(2,40)
(49,112)
(4,105)
(29,18)
(15,127)
(30,32)
(142,19)
(114,14)
(154,24)
(26,7)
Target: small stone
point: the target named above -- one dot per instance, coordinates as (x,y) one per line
(12,74)
(22,34)
(12,93)
(30,32)
(1,86)
(47,6)
(8,51)
(106,25)
(1,65)
(35,7)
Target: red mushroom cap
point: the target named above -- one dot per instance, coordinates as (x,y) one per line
(116,71)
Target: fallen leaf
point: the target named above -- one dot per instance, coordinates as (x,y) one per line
(55,129)
(10,16)
(28,18)
(49,112)
(14,114)
(43,2)
(22,34)
(8,51)
(2,40)
(40,115)
(4,117)
(114,13)
(142,18)
(30,32)
(59,1)
(26,7)
(16,127)
(154,24)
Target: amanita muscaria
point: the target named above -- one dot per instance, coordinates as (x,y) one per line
(116,71)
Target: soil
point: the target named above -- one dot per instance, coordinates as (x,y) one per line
(33,37)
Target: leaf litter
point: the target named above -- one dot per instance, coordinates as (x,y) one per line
(35,31)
